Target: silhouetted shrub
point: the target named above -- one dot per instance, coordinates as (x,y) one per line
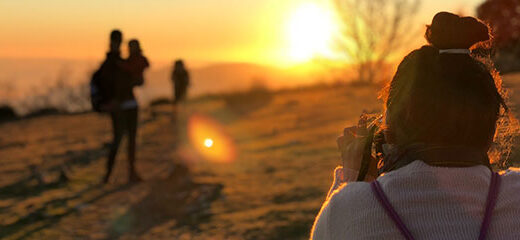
(503,17)
(7,114)
(248,101)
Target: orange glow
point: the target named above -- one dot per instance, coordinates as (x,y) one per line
(209,139)
(205,30)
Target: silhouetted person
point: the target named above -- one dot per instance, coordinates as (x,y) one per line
(180,80)
(123,108)
(136,63)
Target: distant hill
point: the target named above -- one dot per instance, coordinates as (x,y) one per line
(227,77)
(29,84)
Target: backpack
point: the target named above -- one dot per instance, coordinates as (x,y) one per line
(98,94)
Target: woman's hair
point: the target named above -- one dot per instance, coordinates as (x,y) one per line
(448,99)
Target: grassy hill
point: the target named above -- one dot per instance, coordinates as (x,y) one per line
(286,151)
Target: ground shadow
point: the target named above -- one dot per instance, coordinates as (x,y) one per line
(43,219)
(177,199)
(33,185)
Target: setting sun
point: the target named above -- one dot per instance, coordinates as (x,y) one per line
(310,30)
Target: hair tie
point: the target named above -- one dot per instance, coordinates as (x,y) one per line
(455,51)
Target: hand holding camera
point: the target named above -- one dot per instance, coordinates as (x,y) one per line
(355,146)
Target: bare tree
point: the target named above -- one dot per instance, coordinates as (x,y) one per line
(374,30)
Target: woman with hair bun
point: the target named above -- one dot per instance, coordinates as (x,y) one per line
(445,123)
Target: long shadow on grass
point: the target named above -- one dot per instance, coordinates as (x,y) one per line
(177,199)
(40,217)
(29,186)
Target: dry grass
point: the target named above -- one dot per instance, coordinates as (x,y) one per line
(274,189)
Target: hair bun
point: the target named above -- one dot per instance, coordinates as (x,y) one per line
(449,31)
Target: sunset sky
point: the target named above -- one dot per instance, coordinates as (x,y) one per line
(258,31)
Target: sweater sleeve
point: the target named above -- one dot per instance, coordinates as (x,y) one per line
(320,229)
(342,176)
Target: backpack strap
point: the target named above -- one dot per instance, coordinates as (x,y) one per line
(491,200)
(390,211)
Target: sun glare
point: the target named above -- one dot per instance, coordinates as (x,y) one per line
(208,142)
(310,31)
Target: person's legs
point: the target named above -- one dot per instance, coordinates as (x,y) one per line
(176,102)
(182,92)
(176,94)
(132,120)
(117,131)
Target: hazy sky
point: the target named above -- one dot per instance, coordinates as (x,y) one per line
(213,30)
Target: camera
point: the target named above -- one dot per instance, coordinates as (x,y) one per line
(373,148)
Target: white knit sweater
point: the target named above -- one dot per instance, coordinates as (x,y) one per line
(434,203)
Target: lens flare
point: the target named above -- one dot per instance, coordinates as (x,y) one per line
(210,140)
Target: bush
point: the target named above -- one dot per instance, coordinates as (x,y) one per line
(7,114)
(243,102)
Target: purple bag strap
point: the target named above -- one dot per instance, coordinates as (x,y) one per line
(383,200)
(491,201)
(494,188)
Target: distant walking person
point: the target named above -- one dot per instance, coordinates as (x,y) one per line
(180,80)
(123,75)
